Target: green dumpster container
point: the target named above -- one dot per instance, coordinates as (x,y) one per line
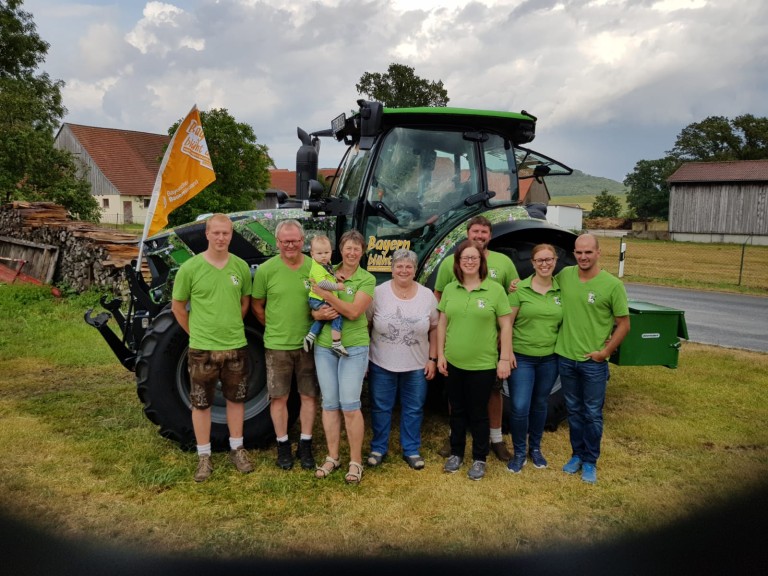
(654,336)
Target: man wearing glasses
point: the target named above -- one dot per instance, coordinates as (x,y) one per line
(279,301)
(502,270)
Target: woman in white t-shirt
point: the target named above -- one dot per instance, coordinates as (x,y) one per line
(403,356)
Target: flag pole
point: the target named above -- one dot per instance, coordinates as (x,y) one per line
(185,171)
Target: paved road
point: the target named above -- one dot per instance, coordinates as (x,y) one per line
(730,320)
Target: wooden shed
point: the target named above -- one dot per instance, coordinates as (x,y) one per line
(720,202)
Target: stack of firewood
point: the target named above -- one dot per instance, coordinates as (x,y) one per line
(88,255)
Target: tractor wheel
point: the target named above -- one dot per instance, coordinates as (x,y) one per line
(163,387)
(556,411)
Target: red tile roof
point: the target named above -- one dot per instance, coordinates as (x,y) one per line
(285,180)
(735,171)
(128,159)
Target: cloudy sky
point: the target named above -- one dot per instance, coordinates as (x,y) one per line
(611,81)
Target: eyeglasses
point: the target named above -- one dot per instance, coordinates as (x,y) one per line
(540,261)
(289,242)
(469,258)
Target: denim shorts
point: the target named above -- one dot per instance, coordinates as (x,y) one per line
(341,379)
(282,365)
(207,367)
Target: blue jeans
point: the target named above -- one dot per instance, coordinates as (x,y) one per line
(529,387)
(384,386)
(317,325)
(341,379)
(584,385)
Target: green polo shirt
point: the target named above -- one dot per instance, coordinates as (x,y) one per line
(538,318)
(355,332)
(471,338)
(500,269)
(589,310)
(215,295)
(286,292)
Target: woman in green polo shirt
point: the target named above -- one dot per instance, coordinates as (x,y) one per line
(474,321)
(536,317)
(341,378)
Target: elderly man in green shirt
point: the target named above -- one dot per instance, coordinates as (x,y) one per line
(279,301)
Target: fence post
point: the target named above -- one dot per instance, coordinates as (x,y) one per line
(622,250)
(741,266)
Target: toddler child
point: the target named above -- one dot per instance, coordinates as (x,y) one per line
(323,275)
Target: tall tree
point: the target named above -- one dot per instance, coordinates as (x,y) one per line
(605,206)
(648,193)
(717,138)
(399,87)
(31,104)
(241,166)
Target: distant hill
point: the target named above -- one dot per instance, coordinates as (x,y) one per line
(580,184)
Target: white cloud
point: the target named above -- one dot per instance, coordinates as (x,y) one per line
(613,73)
(675,5)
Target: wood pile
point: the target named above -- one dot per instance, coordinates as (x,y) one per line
(88,255)
(604,223)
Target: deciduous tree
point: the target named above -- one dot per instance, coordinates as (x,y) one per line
(648,193)
(241,166)
(605,206)
(399,87)
(31,104)
(717,138)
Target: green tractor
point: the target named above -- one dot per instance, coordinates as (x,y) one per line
(410,178)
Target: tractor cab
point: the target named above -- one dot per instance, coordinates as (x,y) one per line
(413,175)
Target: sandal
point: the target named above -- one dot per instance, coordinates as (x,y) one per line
(354,476)
(323,471)
(375,458)
(416,462)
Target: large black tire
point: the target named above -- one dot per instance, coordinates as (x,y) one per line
(163,387)
(556,410)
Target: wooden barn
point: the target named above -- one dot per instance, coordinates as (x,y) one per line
(121,166)
(720,202)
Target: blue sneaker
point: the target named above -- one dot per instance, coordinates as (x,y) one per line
(573,465)
(589,473)
(537,458)
(517,463)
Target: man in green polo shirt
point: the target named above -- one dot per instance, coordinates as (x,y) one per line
(279,301)
(501,270)
(217,286)
(594,302)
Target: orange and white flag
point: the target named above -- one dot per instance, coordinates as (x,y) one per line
(186,170)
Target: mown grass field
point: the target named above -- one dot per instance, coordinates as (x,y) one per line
(82,461)
(689,264)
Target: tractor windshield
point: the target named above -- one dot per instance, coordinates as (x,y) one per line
(426,182)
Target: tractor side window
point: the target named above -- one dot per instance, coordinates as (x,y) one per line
(350,173)
(500,170)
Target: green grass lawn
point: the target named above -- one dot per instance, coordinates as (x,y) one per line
(80,459)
